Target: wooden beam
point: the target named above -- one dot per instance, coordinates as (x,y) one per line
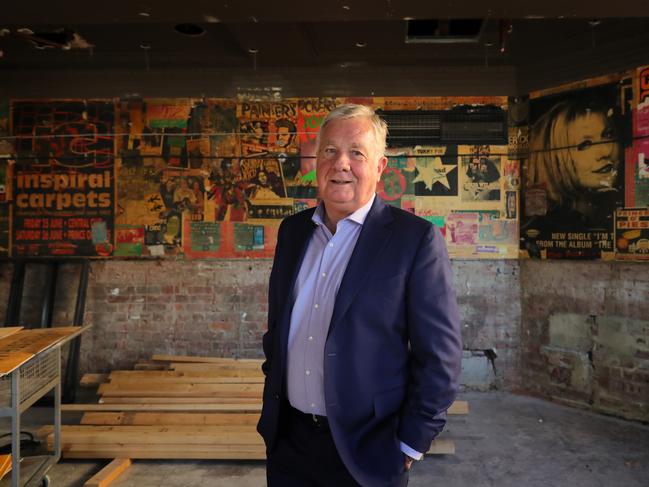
(163,381)
(110,472)
(219,371)
(217,360)
(165,452)
(441,447)
(206,367)
(459,407)
(160,435)
(93,380)
(182,390)
(178,400)
(167,418)
(234,408)
(143,366)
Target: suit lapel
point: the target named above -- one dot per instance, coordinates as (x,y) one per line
(373,237)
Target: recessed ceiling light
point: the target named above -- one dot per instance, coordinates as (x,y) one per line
(361,44)
(191,30)
(346,7)
(144,14)
(210,19)
(145,46)
(252,50)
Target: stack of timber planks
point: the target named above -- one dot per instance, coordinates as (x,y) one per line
(171,407)
(178,407)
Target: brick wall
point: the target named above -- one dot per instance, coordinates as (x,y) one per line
(574,332)
(218,308)
(585,335)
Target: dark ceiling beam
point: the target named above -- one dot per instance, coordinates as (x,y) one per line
(78,12)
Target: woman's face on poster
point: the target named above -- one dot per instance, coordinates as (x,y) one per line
(595,153)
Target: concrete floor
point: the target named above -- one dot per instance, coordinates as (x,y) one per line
(506,440)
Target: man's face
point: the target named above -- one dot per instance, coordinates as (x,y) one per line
(348,166)
(283,137)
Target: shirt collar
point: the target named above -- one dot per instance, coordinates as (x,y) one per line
(358,216)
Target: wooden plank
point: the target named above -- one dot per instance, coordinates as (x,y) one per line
(171,407)
(165,452)
(163,381)
(191,367)
(193,359)
(93,380)
(160,435)
(183,390)
(168,418)
(459,407)
(178,400)
(141,366)
(441,447)
(215,372)
(6,331)
(110,472)
(5,465)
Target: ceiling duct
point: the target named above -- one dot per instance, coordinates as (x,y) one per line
(444,31)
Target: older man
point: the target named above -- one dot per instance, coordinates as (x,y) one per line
(363,345)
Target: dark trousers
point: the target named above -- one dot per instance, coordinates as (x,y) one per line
(305,454)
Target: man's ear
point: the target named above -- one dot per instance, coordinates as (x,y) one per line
(383,162)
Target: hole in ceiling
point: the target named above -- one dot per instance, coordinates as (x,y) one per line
(444,30)
(191,30)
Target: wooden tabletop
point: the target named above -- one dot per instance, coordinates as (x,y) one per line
(17,346)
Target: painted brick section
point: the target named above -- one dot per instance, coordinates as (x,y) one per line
(489,298)
(585,334)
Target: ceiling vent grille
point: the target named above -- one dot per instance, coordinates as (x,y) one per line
(462,125)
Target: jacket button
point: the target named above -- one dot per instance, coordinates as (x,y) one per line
(276,396)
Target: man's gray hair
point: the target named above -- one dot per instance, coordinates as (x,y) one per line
(351,110)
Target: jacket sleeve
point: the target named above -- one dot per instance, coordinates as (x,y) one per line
(435,343)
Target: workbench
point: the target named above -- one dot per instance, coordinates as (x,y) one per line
(30,367)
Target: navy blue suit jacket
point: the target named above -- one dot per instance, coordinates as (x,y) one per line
(393,352)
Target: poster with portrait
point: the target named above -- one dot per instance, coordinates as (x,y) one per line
(573,179)
(268,126)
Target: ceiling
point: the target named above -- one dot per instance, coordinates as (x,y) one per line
(255,34)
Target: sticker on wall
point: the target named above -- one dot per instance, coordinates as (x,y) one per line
(632,233)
